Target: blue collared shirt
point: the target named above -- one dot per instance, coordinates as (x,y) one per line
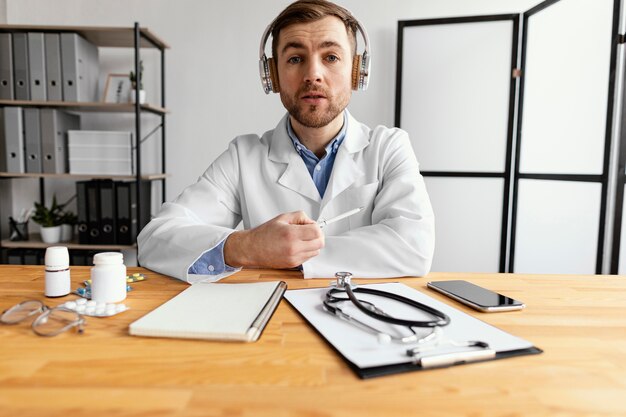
(320,169)
(212,261)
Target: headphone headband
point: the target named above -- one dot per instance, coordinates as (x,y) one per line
(267,68)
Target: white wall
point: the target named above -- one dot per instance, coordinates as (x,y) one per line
(213,89)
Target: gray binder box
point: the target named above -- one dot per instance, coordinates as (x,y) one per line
(6,67)
(54,80)
(79,65)
(11,140)
(101,152)
(54,127)
(36,66)
(20,66)
(32,140)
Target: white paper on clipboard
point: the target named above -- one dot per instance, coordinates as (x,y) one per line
(364,349)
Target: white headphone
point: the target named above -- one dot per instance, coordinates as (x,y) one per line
(269,73)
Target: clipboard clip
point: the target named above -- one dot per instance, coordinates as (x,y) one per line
(452,358)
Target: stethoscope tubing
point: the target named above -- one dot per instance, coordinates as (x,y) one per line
(442,320)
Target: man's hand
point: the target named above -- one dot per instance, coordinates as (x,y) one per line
(286,241)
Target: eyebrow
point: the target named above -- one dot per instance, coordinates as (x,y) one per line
(298,45)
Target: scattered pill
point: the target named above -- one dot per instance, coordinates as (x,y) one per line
(135,277)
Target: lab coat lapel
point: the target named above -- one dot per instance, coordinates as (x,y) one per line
(345,170)
(345,173)
(296,177)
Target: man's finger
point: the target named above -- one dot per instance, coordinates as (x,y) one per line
(298,217)
(309,231)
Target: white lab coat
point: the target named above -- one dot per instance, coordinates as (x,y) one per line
(257,179)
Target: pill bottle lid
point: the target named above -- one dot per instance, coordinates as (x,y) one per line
(108,258)
(57,256)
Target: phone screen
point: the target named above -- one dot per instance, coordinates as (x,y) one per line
(473,294)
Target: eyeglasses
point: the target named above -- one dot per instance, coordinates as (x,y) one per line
(49,321)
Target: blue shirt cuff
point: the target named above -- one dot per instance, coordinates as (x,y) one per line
(211,262)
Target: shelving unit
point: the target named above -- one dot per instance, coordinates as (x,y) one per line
(136,38)
(144,177)
(86,107)
(36,243)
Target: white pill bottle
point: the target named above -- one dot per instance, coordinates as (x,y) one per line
(57,276)
(108,278)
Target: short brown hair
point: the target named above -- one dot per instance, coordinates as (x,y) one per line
(305,11)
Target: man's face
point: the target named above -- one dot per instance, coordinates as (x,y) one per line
(314,65)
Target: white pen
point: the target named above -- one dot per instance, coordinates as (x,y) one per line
(323,222)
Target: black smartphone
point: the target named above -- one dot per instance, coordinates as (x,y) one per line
(478,298)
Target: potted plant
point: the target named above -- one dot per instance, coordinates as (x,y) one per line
(137,82)
(49,218)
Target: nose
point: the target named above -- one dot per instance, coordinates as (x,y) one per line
(313,71)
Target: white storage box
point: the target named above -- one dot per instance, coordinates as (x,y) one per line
(101,152)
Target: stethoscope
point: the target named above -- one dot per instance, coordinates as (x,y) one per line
(344,286)
(424,342)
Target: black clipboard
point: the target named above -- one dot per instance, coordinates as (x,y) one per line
(366,372)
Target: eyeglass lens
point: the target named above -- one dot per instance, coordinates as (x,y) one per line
(22,311)
(56,321)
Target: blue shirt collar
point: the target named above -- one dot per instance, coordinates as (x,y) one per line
(332,146)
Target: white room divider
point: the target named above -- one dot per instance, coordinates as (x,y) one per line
(455,98)
(513,133)
(561,175)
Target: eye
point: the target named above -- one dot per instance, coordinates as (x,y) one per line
(332,58)
(294,60)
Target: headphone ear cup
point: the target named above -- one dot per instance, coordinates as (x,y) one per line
(273,74)
(356,71)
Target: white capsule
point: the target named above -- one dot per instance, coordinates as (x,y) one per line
(384,338)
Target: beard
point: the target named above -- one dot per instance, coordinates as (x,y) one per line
(310,115)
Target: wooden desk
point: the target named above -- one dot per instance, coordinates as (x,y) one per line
(580,322)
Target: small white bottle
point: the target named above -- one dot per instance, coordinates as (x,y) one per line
(57,276)
(108,278)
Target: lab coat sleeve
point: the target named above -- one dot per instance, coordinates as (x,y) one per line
(401,239)
(204,215)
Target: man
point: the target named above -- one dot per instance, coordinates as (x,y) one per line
(318,162)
